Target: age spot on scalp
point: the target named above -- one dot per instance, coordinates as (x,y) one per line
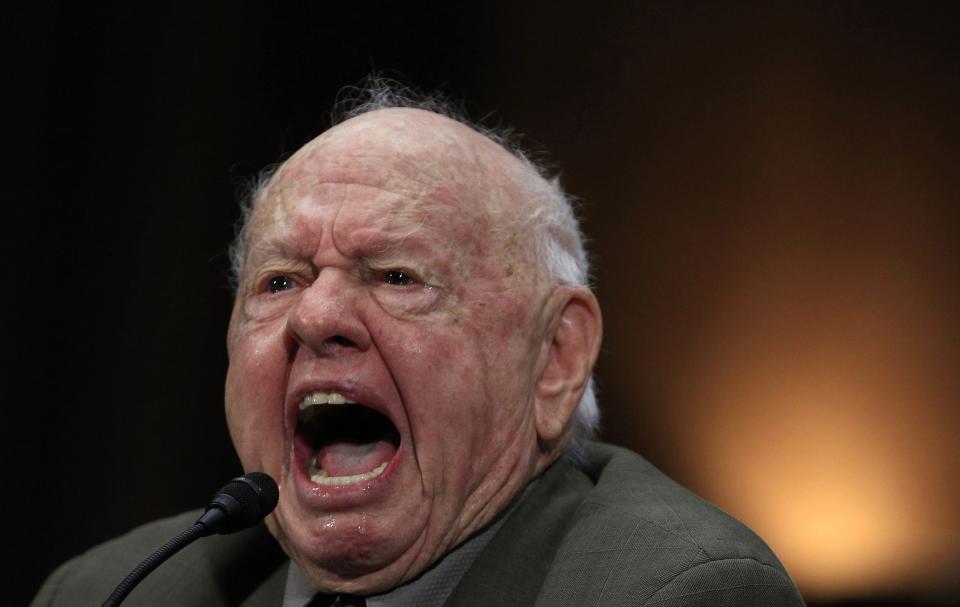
(442,194)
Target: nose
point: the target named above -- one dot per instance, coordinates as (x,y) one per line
(325,318)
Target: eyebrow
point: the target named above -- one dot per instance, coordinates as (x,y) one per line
(372,243)
(384,240)
(267,248)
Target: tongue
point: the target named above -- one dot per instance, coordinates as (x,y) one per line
(348,458)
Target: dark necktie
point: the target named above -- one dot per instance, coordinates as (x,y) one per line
(336,600)
(349,600)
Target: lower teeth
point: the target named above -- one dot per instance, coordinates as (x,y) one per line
(322,477)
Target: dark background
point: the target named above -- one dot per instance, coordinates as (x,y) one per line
(771,189)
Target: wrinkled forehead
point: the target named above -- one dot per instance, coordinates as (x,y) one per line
(404,170)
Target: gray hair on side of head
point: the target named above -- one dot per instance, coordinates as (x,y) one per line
(557,238)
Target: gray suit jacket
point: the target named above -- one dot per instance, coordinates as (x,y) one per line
(614,531)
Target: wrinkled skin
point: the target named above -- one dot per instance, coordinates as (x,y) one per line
(458,350)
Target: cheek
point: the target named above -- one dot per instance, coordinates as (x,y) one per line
(461,388)
(436,370)
(254,404)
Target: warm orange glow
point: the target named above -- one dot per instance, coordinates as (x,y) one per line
(825,419)
(831,494)
(799,353)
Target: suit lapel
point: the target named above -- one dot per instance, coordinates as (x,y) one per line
(270,592)
(511,569)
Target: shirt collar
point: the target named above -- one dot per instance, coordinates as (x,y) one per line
(432,587)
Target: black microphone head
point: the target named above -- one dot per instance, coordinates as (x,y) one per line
(245,500)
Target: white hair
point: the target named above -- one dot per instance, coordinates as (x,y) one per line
(557,239)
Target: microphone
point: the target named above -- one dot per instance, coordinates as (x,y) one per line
(241,503)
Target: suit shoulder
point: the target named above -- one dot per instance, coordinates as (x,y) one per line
(636,531)
(628,486)
(216,570)
(733,581)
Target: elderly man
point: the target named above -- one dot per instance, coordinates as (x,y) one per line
(410,357)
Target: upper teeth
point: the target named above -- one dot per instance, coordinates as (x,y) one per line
(325,398)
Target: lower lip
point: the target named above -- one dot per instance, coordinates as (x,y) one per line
(335,497)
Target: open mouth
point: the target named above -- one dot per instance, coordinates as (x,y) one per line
(348,442)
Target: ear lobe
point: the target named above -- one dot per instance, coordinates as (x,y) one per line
(572,343)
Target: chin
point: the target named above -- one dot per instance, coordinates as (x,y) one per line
(350,552)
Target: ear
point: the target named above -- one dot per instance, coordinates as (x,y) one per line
(571,344)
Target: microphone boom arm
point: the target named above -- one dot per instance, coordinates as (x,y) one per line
(241,503)
(152,562)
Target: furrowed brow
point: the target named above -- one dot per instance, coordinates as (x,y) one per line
(374,241)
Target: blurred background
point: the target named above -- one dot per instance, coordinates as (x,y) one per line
(770,188)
